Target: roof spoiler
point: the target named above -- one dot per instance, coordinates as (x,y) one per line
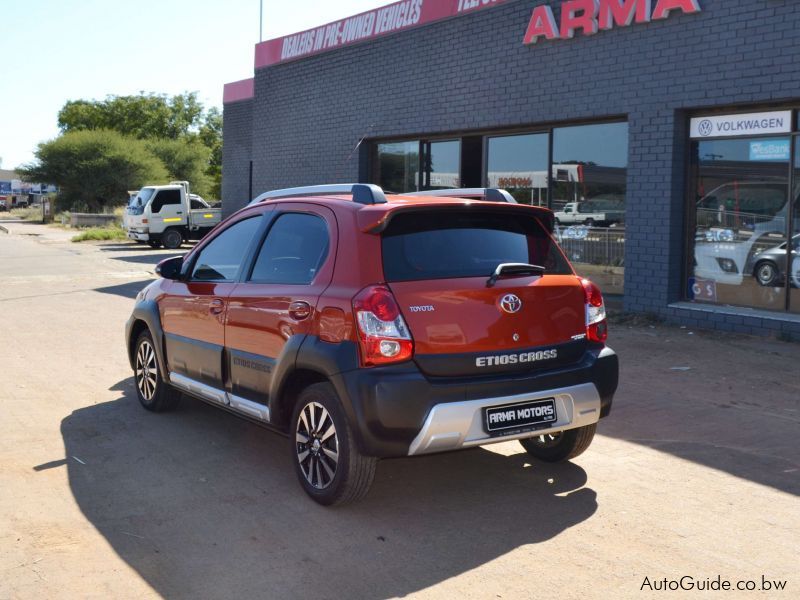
(363,193)
(487,194)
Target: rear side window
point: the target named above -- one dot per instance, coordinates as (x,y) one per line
(453,244)
(294,250)
(221,259)
(165,197)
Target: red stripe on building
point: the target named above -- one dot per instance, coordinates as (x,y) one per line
(398,16)
(238,90)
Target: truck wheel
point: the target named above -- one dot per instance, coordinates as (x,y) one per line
(153,392)
(589,222)
(172,239)
(154,244)
(324,453)
(561,446)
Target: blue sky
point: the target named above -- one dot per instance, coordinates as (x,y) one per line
(52,51)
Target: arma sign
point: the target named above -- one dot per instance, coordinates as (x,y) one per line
(590,16)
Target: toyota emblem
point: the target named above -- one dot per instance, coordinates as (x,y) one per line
(511,303)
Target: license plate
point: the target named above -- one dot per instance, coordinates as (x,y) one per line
(519,416)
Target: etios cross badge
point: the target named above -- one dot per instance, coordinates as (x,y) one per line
(511,303)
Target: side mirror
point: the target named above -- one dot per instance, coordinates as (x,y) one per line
(170,268)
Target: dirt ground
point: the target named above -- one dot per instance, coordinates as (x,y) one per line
(695,473)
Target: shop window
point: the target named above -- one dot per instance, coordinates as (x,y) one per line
(442,165)
(518,163)
(740,209)
(589,185)
(397,166)
(793,253)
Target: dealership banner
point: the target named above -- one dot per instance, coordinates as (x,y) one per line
(372,24)
(760,123)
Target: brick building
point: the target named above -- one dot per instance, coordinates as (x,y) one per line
(663,132)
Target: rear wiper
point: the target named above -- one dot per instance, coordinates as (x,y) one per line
(514,269)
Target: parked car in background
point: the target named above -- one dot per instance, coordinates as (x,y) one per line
(598,212)
(169,215)
(3,203)
(770,265)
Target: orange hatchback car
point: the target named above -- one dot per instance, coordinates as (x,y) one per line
(368,325)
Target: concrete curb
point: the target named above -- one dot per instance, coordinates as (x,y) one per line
(3,229)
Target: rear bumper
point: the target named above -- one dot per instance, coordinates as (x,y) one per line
(456,425)
(398,411)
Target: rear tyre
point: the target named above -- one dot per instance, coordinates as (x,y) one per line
(172,239)
(561,446)
(153,392)
(589,222)
(327,461)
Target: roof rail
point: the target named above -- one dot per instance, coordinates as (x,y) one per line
(488,194)
(363,193)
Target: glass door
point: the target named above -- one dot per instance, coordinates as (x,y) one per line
(518,163)
(442,165)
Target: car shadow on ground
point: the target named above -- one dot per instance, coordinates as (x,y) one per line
(149,259)
(126,290)
(204,504)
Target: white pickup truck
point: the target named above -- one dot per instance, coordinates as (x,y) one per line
(589,213)
(169,215)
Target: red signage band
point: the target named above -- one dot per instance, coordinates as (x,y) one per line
(369,25)
(238,90)
(589,16)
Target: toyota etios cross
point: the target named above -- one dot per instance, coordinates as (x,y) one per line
(366,325)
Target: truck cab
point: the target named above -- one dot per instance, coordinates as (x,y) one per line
(169,215)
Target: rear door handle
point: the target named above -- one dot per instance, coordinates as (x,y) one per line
(299,310)
(216,307)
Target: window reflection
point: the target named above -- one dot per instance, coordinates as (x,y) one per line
(794,257)
(589,187)
(518,164)
(741,204)
(444,165)
(398,166)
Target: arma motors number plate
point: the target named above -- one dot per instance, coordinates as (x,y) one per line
(504,419)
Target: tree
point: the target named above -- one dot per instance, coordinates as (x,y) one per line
(211,136)
(158,118)
(145,116)
(185,159)
(94,169)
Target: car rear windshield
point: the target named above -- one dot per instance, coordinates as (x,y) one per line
(449,244)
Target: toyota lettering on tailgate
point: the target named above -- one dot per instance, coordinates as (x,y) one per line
(513,359)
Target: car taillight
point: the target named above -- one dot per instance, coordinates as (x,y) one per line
(382,333)
(596,326)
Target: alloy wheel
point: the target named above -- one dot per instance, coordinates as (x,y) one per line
(317,445)
(146,370)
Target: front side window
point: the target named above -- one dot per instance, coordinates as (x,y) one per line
(294,250)
(740,210)
(221,258)
(164,198)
